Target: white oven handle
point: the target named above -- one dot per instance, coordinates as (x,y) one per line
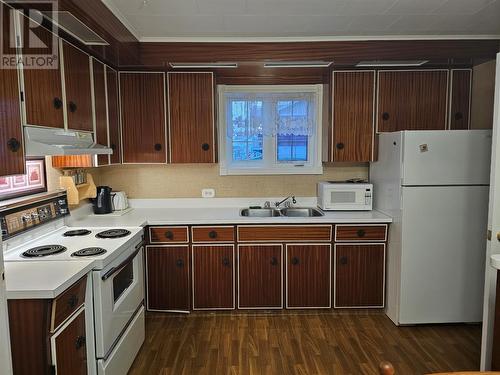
(113,270)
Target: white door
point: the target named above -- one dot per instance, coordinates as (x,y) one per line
(5,360)
(493,246)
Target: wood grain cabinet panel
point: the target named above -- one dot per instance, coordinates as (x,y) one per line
(353,115)
(412,100)
(260,276)
(100,108)
(68,302)
(191,112)
(113,115)
(213,277)
(77,84)
(70,348)
(143,117)
(460,96)
(168,235)
(359,275)
(213,234)
(284,233)
(308,276)
(360,232)
(167,270)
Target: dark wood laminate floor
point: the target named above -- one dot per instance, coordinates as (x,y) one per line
(302,343)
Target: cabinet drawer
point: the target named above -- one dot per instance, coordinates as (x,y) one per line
(168,234)
(360,233)
(67,303)
(284,233)
(213,234)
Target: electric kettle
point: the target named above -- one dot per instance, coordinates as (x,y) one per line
(103,201)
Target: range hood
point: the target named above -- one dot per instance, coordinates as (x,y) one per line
(46,141)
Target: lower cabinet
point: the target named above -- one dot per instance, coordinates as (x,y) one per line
(308,275)
(167,277)
(213,277)
(359,275)
(260,276)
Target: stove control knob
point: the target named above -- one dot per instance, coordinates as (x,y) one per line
(63,211)
(26,218)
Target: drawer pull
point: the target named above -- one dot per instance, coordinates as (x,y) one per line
(361,233)
(274,261)
(169,235)
(340,146)
(58,103)
(179,263)
(205,146)
(158,146)
(226,262)
(385,116)
(72,107)
(295,261)
(73,301)
(13,144)
(212,234)
(343,261)
(80,342)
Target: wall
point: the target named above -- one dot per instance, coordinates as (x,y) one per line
(186,181)
(483,92)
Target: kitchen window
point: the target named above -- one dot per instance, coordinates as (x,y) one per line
(272,129)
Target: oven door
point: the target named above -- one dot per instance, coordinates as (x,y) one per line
(118,292)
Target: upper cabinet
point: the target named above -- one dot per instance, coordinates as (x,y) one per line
(113,115)
(77,82)
(191,117)
(143,117)
(100,108)
(460,93)
(353,101)
(412,100)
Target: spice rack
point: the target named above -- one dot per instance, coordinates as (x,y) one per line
(76,193)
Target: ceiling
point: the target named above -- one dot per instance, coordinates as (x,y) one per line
(220,20)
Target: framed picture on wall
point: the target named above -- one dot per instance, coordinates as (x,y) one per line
(33,182)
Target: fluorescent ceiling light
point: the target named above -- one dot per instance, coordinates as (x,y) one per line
(390,63)
(203,65)
(298,64)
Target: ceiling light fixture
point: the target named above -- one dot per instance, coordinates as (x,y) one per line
(390,63)
(298,64)
(230,65)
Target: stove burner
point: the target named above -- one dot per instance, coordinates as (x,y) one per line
(88,252)
(76,232)
(113,233)
(42,251)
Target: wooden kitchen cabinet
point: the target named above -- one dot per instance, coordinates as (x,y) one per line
(143,117)
(412,100)
(213,277)
(167,277)
(113,115)
(260,275)
(359,275)
(100,108)
(353,103)
(460,96)
(191,117)
(308,276)
(77,82)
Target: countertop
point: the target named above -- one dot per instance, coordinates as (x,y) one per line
(41,280)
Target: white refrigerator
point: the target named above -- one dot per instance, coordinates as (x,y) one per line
(435,186)
(5,359)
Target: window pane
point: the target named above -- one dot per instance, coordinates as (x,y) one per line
(292,147)
(247,134)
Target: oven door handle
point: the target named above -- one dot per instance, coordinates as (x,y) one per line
(114,270)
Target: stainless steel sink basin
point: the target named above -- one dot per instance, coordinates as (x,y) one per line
(301,212)
(260,212)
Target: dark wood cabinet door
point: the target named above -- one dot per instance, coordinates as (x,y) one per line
(412,100)
(43,98)
(101,120)
(353,115)
(11,139)
(70,348)
(359,275)
(191,110)
(77,87)
(213,277)
(260,271)
(308,276)
(461,80)
(143,117)
(113,116)
(167,270)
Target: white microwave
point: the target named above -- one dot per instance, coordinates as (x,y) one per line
(337,196)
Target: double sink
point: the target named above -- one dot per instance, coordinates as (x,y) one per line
(277,212)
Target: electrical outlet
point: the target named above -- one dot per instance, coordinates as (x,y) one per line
(208,193)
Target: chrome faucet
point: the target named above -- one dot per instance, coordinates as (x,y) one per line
(286,202)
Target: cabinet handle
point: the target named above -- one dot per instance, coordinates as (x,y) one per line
(13,144)
(340,146)
(80,341)
(169,234)
(361,233)
(295,261)
(212,234)
(158,147)
(113,146)
(179,263)
(73,301)
(72,107)
(57,103)
(343,261)
(226,262)
(205,146)
(274,261)
(385,116)
(459,116)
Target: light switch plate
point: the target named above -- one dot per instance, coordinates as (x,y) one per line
(208,193)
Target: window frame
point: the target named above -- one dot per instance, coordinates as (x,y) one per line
(265,166)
